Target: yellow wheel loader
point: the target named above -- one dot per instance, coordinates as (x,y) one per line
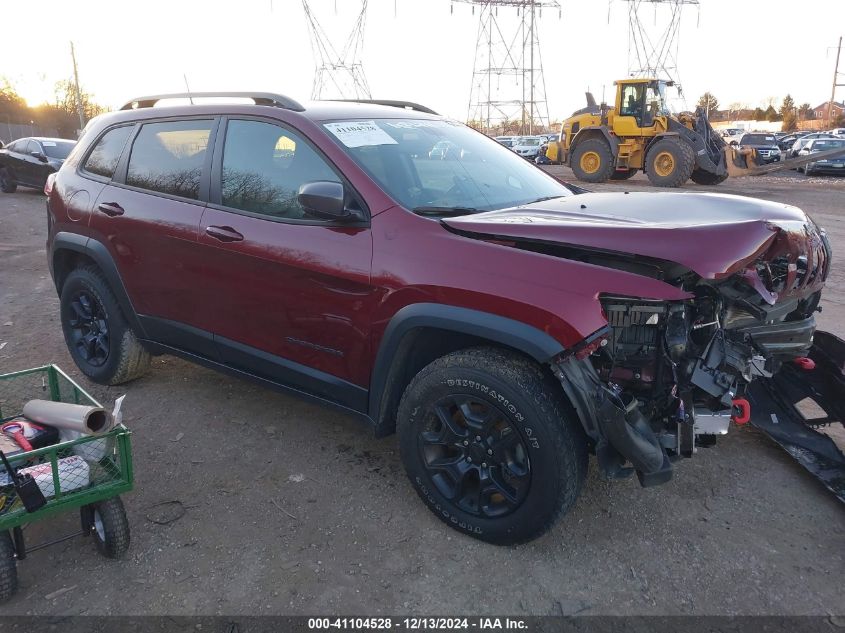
(639,132)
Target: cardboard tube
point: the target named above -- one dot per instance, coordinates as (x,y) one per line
(74,417)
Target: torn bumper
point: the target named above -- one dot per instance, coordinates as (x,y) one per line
(799,400)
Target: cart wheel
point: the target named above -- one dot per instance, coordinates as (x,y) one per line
(8,567)
(110,528)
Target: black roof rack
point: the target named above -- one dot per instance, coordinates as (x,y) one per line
(407,105)
(259,98)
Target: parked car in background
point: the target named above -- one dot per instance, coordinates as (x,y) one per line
(28,161)
(838,131)
(529,146)
(732,134)
(799,143)
(835,165)
(507,141)
(785,141)
(765,144)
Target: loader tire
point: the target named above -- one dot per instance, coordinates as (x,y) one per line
(701,177)
(592,161)
(623,174)
(669,163)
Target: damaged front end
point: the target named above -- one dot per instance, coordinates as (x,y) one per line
(665,377)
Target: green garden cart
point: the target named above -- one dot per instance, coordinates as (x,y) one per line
(108,473)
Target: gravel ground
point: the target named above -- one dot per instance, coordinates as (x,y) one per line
(294,509)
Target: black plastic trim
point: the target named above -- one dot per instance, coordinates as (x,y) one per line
(99,253)
(160,348)
(297,377)
(537,344)
(179,335)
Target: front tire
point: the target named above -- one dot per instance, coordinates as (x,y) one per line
(491,446)
(97,334)
(669,163)
(592,161)
(7,181)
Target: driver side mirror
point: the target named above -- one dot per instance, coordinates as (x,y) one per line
(40,156)
(326,200)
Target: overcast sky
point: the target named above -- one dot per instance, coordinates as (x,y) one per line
(421,50)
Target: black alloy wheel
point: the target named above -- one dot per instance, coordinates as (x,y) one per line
(475,457)
(89,330)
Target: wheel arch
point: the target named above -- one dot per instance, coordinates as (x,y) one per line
(595,131)
(420,333)
(70,250)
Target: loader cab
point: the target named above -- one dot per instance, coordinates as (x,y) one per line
(639,103)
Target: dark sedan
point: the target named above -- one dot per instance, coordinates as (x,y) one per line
(28,161)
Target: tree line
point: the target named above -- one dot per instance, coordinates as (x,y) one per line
(788,112)
(60,115)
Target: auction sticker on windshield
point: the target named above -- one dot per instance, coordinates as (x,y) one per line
(359,133)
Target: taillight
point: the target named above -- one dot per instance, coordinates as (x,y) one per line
(48,186)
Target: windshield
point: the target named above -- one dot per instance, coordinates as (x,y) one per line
(475,174)
(529,142)
(824,145)
(57,149)
(758,139)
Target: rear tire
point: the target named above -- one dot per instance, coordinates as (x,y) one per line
(499,408)
(8,567)
(592,161)
(623,174)
(669,163)
(701,177)
(7,181)
(110,527)
(96,331)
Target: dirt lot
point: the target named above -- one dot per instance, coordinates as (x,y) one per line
(294,509)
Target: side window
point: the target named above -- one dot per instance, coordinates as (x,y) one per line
(103,159)
(169,157)
(631,95)
(263,167)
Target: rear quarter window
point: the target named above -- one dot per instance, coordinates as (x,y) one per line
(104,157)
(169,157)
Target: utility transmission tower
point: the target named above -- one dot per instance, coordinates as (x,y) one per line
(507,76)
(835,84)
(654,40)
(338,73)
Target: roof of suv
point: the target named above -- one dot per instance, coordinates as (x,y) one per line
(268,102)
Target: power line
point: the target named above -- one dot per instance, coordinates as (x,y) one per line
(338,74)
(507,77)
(653,49)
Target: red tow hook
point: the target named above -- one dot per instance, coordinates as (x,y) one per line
(807,364)
(744,414)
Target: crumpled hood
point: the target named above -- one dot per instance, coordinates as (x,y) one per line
(711,234)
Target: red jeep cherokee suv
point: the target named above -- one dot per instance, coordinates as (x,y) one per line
(505,324)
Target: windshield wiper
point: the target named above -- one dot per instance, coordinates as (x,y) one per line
(546,198)
(444,211)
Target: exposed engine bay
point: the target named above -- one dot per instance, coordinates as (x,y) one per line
(666,377)
(738,283)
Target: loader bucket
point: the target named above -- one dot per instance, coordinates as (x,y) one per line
(740,162)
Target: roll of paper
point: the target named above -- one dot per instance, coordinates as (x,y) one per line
(73,417)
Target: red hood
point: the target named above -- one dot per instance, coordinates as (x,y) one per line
(711,234)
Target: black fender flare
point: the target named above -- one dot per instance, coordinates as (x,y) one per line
(498,329)
(97,251)
(591,130)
